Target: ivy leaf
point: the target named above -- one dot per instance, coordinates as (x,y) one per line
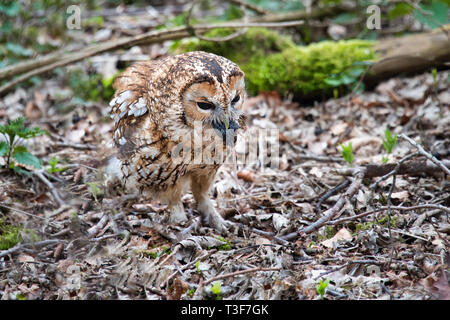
(3,148)
(22,156)
(344,18)
(27,133)
(399,10)
(10,9)
(437,16)
(18,50)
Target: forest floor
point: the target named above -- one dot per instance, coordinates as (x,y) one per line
(88,245)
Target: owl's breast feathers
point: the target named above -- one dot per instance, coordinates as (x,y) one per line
(148,116)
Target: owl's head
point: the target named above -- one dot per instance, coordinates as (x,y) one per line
(214,95)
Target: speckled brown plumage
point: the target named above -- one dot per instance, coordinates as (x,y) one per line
(156,105)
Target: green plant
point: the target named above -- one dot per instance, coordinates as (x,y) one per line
(216,289)
(90,87)
(197,267)
(15,132)
(53,169)
(190,292)
(9,236)
(389,141)
(226,246)
(347,153)
(95,190)
(321,287)
(433,15)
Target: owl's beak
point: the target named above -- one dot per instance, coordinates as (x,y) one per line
(227,121)
(227,128)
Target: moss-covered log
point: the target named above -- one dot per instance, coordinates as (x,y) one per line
(272,62)
(411,54)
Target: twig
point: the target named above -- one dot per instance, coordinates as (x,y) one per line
(237,273)
(330,213)
(425,153)
(50,187)
(400,208)
(249,6)
(94,230)
(80,146)
(25,245)
(308,156)
(341,186)
(21,211)
(155,36)
(407,168)
(395,171)
(226,38)
(187,266)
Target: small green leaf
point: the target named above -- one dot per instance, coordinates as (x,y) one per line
(347,153)
(437,14)
(322,287)
(22,156)
(3,148)
(399,10)
(215,288)
(344,18)
(334,81)
(19,50)
(390,141)
(10,9)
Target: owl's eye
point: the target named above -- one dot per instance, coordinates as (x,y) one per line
(205,105)
(235,99)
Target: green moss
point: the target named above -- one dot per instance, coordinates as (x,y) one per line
(9,236)
(90,87)
(305,70)
(256,42)
(272,62)
(383,221)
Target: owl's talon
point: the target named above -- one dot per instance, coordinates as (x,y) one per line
(177,214)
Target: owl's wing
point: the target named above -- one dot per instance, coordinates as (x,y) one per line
(130,106)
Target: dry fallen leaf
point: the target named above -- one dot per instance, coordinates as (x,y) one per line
(401,195)
(246,175)
(341,235)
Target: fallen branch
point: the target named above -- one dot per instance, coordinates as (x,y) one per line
(407,168)
(425,153)
(384,208)
(93,231)
(26,245)
(50,186)
(47,64)
(359,174)
(238,273)
(249,6)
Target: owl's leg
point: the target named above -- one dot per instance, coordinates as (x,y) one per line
(200,186)
(176,208)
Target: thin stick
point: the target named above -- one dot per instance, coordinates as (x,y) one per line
(21,211)
(425,153)
(226,38)
(424,206)
(145,38)
(186,266)
(237,273)
(93,231)
(330,213)
(34,244)
(50,187)
(249,6)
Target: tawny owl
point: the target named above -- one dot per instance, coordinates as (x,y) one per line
(158,104)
